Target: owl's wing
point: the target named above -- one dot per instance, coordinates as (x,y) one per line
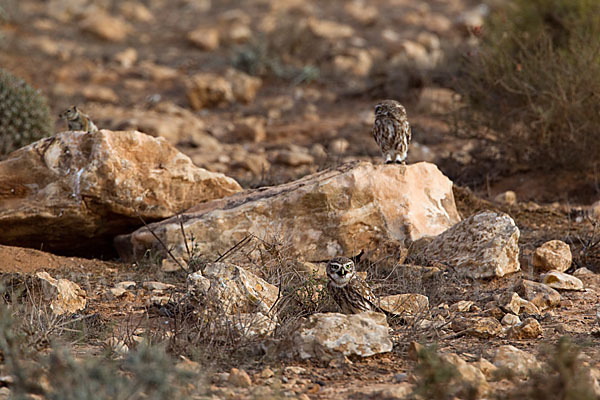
(361,287)
(407,129)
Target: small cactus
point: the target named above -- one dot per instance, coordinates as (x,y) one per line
(24,114)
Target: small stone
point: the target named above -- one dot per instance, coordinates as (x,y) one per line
(508,198)
(406,304)
(510,320)
(470,375)
(487,368)
(553,255)
(100,94)
(126,285)
(338,146)
(136,11)
(518,361)
(204,38)
(543,296)
(401,377)
(127,57)
(293,158)
(153,285)
(239,378)
(462,306)
(243,86)
(116,345)
(482,327)
(516,305)
(117,291)
(414,349)
(208,90)
(583,271)
(64,296)
(293,370)
(267,373)
(249,129)
(561,281)
(528,329)
(105,26)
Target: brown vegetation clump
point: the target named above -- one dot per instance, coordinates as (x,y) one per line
(534,82)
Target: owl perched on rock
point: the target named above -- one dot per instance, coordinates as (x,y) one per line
(349,291)
(391,131)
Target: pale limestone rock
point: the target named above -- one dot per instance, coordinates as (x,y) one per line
(209,90)
(78,190)
(543,296)
(516,305)
(98,93)
(553,255)
(482,327)
(387,391)
(243,86)
(206,89)
(64,296)
(332,212)
(154,285)
(482,246)
(487,368)
(561,281)
(469,376)
(136,11)
(126,58)
(510,320)
(508,198)
(518,361)
(332,336)
(204,38)
(462,306)
(249,129)
(175,124)
(361,12)
(239,378)
(583,271)
(528,329)
(329,29)
(234,288)
(293,158)
(106,26)
(407,304)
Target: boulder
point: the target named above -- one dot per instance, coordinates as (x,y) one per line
(553,255)
(333,336)
(517,361)
(482,246)
(332,212)
(512,302)
(543,296)
(75,191)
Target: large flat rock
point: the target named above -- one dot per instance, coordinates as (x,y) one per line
(75,191)
(338,211)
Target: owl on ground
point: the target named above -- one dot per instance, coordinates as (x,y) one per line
(349,291)
(391,131)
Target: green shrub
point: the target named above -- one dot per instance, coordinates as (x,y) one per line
(24,114)
(534,81)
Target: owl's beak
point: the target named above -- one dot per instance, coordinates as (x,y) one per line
(341,272)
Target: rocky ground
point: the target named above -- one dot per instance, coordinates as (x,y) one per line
(259,167)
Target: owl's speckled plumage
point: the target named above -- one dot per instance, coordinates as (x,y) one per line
(349,291)
(391,131)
